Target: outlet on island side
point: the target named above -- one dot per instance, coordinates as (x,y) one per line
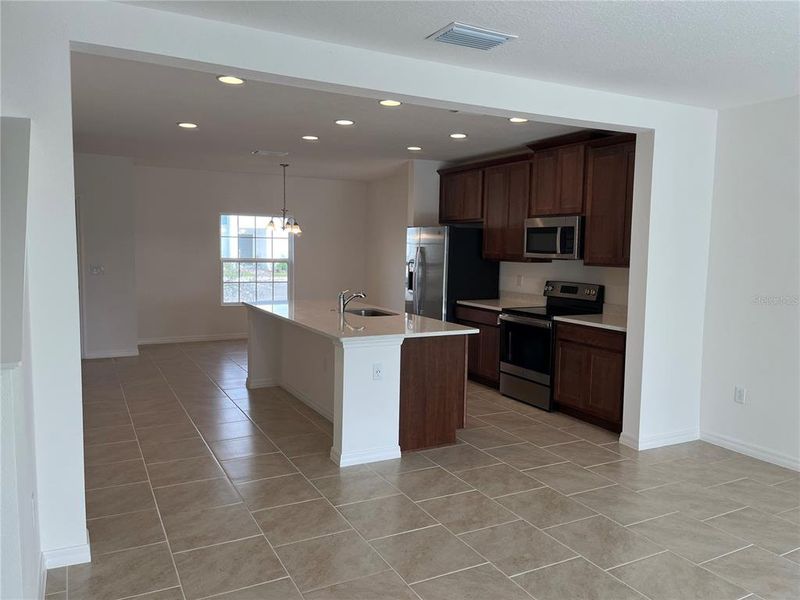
(377,371)
(740,394)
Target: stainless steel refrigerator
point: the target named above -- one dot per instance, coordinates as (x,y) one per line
(443,265)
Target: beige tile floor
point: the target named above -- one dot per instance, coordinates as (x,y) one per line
(198,488)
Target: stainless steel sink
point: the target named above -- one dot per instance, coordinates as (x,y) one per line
(369,312)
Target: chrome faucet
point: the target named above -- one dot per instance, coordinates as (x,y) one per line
(343,302)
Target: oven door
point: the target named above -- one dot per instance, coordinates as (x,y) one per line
(553,237)
(526,348)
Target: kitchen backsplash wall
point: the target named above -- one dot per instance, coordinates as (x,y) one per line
(529,278)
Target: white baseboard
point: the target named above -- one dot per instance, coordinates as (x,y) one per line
(42,577)
(754,450)
(62,557)
(111,353)
(365,456)
(252,383)
(662,439)
(178,339)
(325,411)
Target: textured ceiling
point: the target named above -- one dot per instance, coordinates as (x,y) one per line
(715,54)
(128,108)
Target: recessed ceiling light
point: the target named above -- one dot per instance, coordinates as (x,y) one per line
(187,125)
(345,122)
(414,148)
(390,103)
(230,79)
(310,138)
(458,136)
(518,120)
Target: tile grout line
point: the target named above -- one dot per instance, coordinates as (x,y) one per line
(247,587)
(233,486)
(153,496)
(417,504)
(236,490)
(310,482)
(700,564)
(553,564)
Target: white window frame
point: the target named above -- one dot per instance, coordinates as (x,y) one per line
(222,261)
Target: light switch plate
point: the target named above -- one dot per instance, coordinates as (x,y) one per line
(739,395)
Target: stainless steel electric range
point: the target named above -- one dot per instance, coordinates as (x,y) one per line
(526,339)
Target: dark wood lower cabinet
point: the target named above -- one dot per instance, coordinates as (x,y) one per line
(589,374)
(433,390)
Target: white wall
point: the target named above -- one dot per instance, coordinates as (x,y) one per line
(177,244)
(387,210)
(20,549)
(423,193)
(534,276)
(15,140)
(667,322)
(752,332)
(106,223)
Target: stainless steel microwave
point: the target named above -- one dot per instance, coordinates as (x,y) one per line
(553,237)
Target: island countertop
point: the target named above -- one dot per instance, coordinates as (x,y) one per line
(320,317)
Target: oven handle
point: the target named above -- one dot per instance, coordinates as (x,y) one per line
(526,321)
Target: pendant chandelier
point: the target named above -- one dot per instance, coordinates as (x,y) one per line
(288,224)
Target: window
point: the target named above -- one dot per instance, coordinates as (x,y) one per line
(255,260)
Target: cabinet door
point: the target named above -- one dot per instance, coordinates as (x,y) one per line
(557,181)
(473,351)
(571,374)
(461,197)
(609,199)
(472,195)
(606,380)
(570,179)
(450,192)
(495,215)
(483,353)
(544,184)
(518,176)
(489,366)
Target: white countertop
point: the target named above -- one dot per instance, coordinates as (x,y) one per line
(498,304)
(320,317)
(611,321)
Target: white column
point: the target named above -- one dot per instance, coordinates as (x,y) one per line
(264,347)
(366,426)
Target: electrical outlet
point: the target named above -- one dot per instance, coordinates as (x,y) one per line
(519,280)
(739,395)
(377,371)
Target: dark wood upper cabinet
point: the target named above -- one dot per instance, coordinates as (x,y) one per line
(609,201)
(506,189)
(589,374)
(557,181)
(461,196)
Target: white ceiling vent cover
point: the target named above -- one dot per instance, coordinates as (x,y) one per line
(470,36)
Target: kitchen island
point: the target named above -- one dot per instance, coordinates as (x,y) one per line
(383,381)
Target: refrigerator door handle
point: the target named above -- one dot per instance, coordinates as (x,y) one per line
(410,275)
(418,288)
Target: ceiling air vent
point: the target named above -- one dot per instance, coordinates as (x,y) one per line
(470,36)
